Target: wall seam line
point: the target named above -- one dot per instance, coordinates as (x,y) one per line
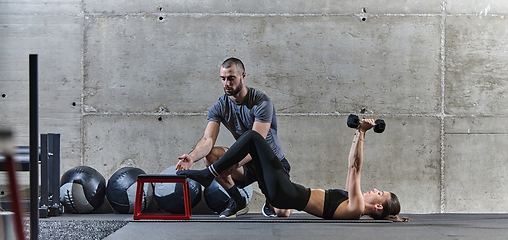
(83,74)
(442,64)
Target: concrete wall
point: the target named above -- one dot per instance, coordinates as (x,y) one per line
(128,83)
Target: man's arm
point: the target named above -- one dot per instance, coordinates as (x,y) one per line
(261,128)
(202,148)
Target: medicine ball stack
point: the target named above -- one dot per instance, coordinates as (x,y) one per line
(83,190)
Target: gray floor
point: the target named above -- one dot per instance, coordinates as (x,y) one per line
(79,226)
(298,226)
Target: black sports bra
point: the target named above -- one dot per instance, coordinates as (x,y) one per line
(333,198)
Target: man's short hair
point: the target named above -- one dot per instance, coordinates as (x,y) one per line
(234,61)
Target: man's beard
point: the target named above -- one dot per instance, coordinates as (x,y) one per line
(235,91)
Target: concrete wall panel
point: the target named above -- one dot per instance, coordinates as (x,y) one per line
(161,71)
(475,178)
(57,39)
(475,168)
(476,59)
(306,64)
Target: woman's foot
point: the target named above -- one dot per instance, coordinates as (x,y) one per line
(203,177)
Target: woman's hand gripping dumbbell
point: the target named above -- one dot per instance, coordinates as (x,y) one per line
(353,121)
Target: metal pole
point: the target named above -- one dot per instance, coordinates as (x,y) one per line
(34,148)
(54,170)
(44,204)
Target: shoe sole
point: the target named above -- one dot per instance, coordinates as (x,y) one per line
(266,215)
(240,212)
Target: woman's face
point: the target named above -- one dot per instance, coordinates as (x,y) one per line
(376,197)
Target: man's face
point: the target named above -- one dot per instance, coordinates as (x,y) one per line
(232,80)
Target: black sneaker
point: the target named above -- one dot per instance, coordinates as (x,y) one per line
(267,211)
(232,210)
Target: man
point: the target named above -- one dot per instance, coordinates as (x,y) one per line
(240,109)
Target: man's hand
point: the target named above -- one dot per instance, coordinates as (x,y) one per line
(185,162)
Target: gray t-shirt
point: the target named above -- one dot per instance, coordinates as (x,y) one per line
(238,118)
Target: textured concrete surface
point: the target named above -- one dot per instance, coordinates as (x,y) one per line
(129,84)
(476,85)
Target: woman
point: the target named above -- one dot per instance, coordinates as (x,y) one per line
(284,194)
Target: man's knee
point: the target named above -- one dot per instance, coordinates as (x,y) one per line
(214,155)
(210,159)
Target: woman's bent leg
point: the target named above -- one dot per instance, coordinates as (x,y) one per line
(272,179)
(235,154)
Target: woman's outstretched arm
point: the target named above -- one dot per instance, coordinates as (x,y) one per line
(354,154)
(355,161)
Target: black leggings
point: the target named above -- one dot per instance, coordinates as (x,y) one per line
(272,179)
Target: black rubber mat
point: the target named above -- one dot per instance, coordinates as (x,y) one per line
(259,218)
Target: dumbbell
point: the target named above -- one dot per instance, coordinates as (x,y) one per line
(353,121)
